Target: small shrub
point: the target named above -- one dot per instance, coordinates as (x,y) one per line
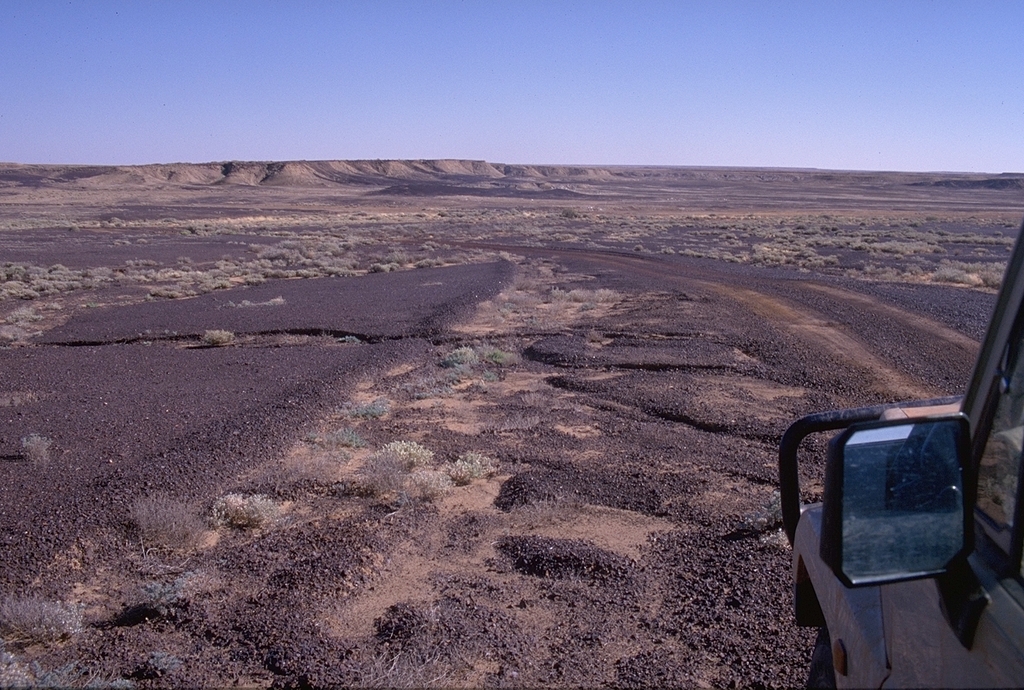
(342,438)
(218,338)
(245,512)
(470,466)
(36,448)
(276,302)
(383,474)
(410,453)
(462,357)
(158,665)
(399,469)
(32,619)
(377,408)
(162,521)
(765,518)
(500,357)
(164,597)
(428,485)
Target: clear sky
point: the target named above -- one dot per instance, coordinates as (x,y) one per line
(865,84)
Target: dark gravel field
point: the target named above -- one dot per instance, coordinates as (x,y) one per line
(551,464)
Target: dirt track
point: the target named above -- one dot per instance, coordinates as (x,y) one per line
(634,406)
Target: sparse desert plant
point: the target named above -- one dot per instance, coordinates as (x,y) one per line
(33,619)
(335,440)
(401,469)
(765,518)
(158,665)
(557,295)
(373,410)
(428,485)
(469,466)
(161,598)
(382,474)
(162,521)
(460,358)
(36,448)
(499,357)
(245,512)
(409,453)
(218,338)
(275,302)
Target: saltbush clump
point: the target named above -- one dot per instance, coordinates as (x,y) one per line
(335,440)
(462,357)
(32,619)
(401,469)
(245,512)
(36,448)
(377,408)
(410,453)
(428,485)
(217,338)
(165,522)
(470,466)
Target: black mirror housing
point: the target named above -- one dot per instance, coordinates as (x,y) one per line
(896,506)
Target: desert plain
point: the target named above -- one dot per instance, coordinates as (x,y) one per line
(447,423)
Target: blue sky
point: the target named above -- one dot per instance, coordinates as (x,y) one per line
(860,85)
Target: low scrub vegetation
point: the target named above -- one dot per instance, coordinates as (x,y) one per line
(765,518)
(462,357)
(33,619)
(372,410)
(36,448)
(409,453)
(164,522)
(401,470)
(218,338)
(338,439)
(470,466)
(245,512)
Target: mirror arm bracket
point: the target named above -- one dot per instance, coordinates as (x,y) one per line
(963,600)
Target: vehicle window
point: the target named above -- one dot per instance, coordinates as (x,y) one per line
(999,470)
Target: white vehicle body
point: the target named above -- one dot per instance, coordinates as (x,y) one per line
(958,625)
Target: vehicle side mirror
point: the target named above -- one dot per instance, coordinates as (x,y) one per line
(894,505)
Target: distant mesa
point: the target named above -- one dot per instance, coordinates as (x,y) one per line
(475,178)
(1009,181)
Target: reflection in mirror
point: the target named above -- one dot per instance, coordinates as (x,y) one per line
(903,506)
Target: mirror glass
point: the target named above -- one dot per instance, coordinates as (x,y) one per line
(903,504)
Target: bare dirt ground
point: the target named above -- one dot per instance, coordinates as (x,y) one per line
(446,423)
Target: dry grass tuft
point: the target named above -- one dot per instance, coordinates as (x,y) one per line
(374,410)
(427,485)
(32,619)
(162,521)
(245,512)
(461,358)
(401,470)
(218,338)
(411,454)
(470,466)
(36,448)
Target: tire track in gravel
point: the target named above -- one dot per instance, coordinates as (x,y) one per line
(916,338)
(830,337)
